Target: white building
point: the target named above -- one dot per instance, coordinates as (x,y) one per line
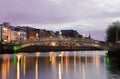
(20,34)
(7,33)
(10,34)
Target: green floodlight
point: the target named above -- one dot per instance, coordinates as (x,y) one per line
(15,48)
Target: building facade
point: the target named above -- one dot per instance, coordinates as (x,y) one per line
(70,33)
(11,34)
(6,33)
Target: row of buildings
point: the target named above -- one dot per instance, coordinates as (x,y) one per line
(10,34)
(14,34)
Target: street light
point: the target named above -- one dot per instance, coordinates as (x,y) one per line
(53,44)
(60,33)
(37,36)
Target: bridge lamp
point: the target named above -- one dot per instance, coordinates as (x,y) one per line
(53,44)
(60,33)
(15,48)
(37,36)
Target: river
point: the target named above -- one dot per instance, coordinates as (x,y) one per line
(58,65)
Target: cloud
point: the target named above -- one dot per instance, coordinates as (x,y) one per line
(97,34)
(46,10)
(56,11)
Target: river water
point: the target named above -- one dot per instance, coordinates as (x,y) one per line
(58,65)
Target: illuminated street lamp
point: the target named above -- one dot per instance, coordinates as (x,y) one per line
(60,33)
(37,36)
(53,44)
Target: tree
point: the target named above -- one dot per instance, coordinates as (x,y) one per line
(113,32)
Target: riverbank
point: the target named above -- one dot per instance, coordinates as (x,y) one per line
(114,50)
(6,48)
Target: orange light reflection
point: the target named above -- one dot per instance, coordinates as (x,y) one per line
(5,66)
(60,73)
(96,61)
(18,66)
(36,68)
(24,66)
(67,62)
(75,63)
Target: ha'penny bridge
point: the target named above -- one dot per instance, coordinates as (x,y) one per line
(53,45)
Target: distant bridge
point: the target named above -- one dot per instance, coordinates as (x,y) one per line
(54,42)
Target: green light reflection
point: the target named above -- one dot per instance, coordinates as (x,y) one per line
(15,59)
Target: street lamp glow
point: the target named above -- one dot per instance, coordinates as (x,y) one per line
(19,33)
(60,33)
(53,44)
(5,29)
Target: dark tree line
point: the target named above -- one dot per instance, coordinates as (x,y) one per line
(113,32)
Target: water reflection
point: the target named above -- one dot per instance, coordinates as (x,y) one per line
(66,63)
(96,60)
(5,66)
(24,66)
(18,66)
(113,67)
(54,65)
(36,68)
(60,73)
(75,63)
(83,71)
